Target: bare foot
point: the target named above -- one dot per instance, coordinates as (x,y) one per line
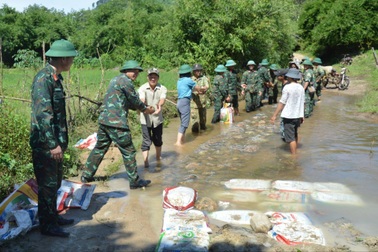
(178,144)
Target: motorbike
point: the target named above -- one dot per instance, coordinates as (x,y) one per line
(340,81)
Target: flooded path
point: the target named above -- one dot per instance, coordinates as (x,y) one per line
(336,146)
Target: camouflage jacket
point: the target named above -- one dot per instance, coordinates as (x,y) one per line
(202,81)
(319,73)
(264,75)
(220,88)
(48,115)
(232,82)
(308,76)
(252,80)
(119,98)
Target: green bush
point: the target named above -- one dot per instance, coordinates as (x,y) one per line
(15,153)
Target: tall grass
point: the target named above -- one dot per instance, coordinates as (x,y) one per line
(363,67)
(81,114)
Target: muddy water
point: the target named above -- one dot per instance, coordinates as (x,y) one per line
(335,146)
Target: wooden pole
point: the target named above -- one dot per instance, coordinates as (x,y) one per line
(1,66)
(375,57)
(43,53)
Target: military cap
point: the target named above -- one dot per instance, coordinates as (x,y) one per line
(197,67)
(220,69)
(293,73)
(273,67)
(61,48)
(185,69)
(230,63)
(307,62)
(153,70)
(264,62)
(251,62)
(281,72)
(317,60)
(129,65)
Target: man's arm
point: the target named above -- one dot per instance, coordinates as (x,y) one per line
(279,108)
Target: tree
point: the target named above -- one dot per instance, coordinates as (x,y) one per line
(338,26)
(214,31)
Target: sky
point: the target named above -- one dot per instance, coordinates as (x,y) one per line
(65,5)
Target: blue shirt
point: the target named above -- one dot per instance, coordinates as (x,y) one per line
(185,86)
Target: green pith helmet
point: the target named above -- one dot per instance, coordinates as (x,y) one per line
(307,62)
(264,62)
(230,63)
(317,61)
(185,69)
(62,48)
(305,58)
(129,65)
(220,69)
(251,62)
(273,67)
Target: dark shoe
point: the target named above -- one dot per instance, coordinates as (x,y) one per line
(62,221)
(86,180)
(140,183)
(55,231)
(195,127)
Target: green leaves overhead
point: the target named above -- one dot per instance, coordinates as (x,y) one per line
(339,25)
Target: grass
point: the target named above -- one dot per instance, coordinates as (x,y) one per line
(364,67)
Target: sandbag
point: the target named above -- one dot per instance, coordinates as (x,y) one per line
(179,197)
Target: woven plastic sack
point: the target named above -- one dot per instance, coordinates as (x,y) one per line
(179,197)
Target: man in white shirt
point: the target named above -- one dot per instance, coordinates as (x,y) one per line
(152,93)
(292,106)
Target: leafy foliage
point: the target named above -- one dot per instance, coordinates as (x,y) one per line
(27,59)
(338,26)
(15,157)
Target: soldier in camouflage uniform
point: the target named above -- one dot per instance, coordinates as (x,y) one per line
(251,84)
(307,81)
(200,101)
(220,92)
(113,127)
(49,137)
(273,90)
(319,74)
(233,85)
(266,79)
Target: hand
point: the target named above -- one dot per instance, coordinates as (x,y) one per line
(273,119)
(149,110)
(203,90)
(158,109)
(57,154)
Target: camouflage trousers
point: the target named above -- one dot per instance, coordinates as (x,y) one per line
(318,89)
(122,138)
(272,94)
(49,175)
(198,116)
(309,104)
(218,104)
(252,101)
